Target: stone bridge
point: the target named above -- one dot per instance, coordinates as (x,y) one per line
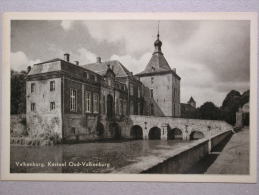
(151,127)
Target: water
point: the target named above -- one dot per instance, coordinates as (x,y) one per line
(101,157)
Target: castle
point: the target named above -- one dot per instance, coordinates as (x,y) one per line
(93,101)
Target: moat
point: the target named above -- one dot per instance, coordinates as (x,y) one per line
(99,157)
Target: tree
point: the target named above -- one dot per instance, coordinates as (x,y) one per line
(231,104)
(18,92)
(209,111)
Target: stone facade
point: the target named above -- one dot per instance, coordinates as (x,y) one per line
(94,101)
(163,82)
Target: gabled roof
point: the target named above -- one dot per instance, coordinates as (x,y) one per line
(102,67)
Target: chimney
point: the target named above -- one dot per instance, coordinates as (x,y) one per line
(66,57)
(77,63)
(98,60)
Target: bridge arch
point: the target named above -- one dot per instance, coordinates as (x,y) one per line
(115,130)
(196,135)
(174,133)
(154,133)
(136,132)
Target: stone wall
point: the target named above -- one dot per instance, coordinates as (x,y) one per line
(44,119)
(176,160)
(166,93)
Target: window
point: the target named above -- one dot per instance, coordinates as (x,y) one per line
(73,130)
(86,75)
(139,92)
(96,103)
(121,107)
(32,87)
(152,80)
(131,89)
(131,107)
(33,107)
(104,109)
(92,77)
(73,100)
(109,82)
(88,101)
(125,107)
(152,109)
(52,105)
(151,93)
(52,85)
(138,108)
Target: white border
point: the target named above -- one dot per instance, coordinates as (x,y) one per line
(5,153)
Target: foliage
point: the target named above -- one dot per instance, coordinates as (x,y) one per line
(209,111)
(231,104)
(18,92)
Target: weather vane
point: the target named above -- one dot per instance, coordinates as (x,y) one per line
(158,29)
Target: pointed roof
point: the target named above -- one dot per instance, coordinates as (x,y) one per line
(157,62)
(191,100)
(102,67)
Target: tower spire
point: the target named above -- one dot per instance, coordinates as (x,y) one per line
(158,43)
(158,30)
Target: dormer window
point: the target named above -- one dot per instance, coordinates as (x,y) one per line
(85,75)
(109,82)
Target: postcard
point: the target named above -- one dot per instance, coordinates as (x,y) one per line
(167,97)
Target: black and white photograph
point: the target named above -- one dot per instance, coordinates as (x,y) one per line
(123,96)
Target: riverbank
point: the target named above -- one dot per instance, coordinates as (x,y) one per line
(234,158)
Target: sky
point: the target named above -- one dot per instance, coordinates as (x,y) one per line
(211,57)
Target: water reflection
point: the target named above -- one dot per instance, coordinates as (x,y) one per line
(98,157)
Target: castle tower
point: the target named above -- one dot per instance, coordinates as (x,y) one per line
(163,82)
(192,102)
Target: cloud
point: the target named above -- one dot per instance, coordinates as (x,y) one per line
(19,61)
(84,56)
(128,32)
(211,57)
(134,65)
(223,47)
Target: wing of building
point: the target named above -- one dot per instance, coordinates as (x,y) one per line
(93,101)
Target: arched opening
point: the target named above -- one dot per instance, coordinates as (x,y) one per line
(110,107)
(99,129)
(154,133)
(115,130)
(174,133)
(136,132)
(196,135)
